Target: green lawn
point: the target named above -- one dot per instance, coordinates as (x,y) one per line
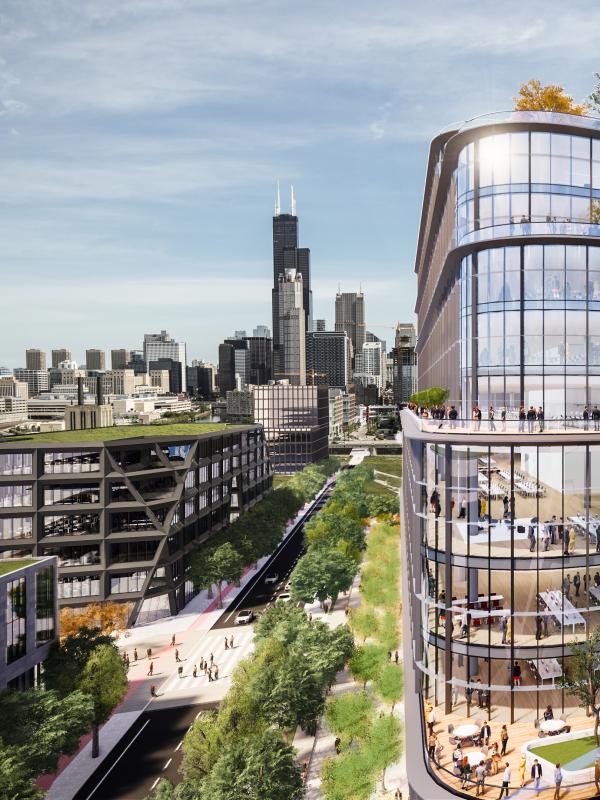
(123,432)
(377,488)
(564,752)
(11,564)
(390,464)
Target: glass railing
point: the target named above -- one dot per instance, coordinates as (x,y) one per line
(511,425)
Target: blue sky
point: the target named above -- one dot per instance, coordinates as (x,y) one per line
(140,143)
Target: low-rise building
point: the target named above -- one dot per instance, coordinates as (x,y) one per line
(28,616)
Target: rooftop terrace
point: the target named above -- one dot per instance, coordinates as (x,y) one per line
(13,564)
(122,432)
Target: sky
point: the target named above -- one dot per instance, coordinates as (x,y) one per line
(141,142)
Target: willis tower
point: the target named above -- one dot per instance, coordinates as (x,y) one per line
(287,255)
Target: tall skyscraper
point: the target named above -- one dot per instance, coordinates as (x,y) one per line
(95,359)
(261,358)
(59,355)
(350,317)
(370,365)
(35,359)
(287,255)
(291,328)
(119,358)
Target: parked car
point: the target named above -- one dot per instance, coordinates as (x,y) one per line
(245,617)
(285,597)
(272,578)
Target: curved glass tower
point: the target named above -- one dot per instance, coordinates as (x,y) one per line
(502,517)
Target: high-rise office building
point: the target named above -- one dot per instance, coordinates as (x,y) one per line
(329,359)
(404,363)
(35,359)
(119,359)
(287,255)
(261,358)
(95,359)
(177,373)
(120,532)
(295,420)
(501,515)
(234,365)
(59,355)
(137,362)
(370,365)
(320,325)
(350,317)
(262,331)
(36,379)
(161,345)
(291,329)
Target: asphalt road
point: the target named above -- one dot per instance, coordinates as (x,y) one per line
(152,747)
(151,750)
(257,594)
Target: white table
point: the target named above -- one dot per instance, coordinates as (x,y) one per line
(581,522)
(466,731)
(475,757)
(548,669)
(562,609)
(493,599)
(552,726)
(595,592)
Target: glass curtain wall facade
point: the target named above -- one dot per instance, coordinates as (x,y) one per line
(502,527)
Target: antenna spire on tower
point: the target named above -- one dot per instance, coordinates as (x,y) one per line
(277,202)
(293,201)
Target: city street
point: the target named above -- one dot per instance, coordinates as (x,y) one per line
(151,748)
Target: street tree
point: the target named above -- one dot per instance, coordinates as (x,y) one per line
(583,678)
(16,781)
(335,530)
(43,726)
(256,768)
(104,678)
(322,574)
(389,684)
(367,662)
(363,621)
(66,661)
(293,695)
(348,777)
(383,748)
(349,715)
(106,617)
(533,96)
(217,566)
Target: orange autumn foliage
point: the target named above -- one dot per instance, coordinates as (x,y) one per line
(535,97)
(107,617)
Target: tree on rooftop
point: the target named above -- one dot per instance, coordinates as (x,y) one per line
(583,678)
(434,396)
(533,96)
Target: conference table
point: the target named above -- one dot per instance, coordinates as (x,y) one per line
(562,609)
(547,669)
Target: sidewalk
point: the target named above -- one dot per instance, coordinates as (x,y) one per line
(194,639)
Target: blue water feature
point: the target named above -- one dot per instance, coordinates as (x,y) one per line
(584,761)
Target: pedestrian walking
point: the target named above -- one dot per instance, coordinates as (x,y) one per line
(210,677)
(127,661)
(431,743)
(153,691)
(180,671)
(504,628)
(389,655)
(431,720)
(201,662)
(177,659)
(480,778)
(505,782)
(522,417)
(596,418)
(195,671)
(212,658)
(216,672)
(134,654)
(558,777)
(597,774)
(151,668)
(586,417)
(231,640)
(531,415)
(149,652)
(173,640)
(577,583)
(540,419)
(504,740)
(536,775)
(491,416)
(205,667)
(538,626)
(396,657)
(226,643)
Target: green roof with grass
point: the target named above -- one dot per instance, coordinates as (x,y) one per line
(122,432)
(11,564)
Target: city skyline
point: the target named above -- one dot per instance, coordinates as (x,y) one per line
(128,171)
